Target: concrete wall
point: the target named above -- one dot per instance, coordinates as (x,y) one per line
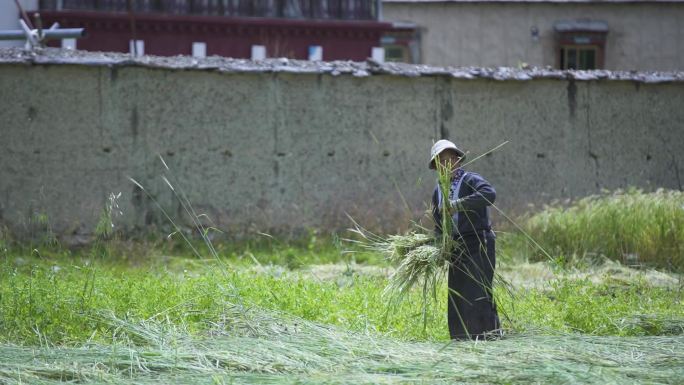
(280,151)
(642,36)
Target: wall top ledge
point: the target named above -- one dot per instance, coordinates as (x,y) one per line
(54,56)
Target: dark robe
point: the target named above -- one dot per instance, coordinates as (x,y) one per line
(471,307)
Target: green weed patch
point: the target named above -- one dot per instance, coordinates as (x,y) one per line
(631,226)
(60,302)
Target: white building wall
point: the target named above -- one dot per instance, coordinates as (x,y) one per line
(9,18)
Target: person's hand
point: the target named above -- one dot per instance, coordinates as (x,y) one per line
(455,206)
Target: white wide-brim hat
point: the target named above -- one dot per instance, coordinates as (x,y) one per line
(440,146)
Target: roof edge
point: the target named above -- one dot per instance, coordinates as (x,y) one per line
(55,56)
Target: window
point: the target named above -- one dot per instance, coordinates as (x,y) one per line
(397,53)
(402,43)
(581,44)
(578,57)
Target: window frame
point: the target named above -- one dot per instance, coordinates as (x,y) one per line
(581,38)
(563,51)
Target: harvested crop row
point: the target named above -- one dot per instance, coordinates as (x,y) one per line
(260,346)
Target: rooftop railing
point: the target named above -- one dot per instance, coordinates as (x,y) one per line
(289,9)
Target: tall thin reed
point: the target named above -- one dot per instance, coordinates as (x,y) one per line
(630,226)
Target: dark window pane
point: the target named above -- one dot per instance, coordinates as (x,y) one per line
(588,59)
(395,53)
(572,58)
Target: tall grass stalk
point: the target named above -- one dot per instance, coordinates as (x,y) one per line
(196,219)
(444,176)
(630,226)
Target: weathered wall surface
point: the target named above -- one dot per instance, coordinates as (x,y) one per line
(641,36)
(271,150)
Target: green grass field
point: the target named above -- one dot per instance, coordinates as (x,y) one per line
(302,311)
(630,226)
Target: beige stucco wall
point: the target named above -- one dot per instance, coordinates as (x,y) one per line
(280,151)
(642,36)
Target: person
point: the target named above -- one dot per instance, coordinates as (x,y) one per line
(471,310)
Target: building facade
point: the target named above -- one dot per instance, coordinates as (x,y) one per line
(256,29)
(579,34)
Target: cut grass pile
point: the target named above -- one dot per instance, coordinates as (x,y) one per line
(629,226)
(250,346)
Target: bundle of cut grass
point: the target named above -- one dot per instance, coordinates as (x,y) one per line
(421,258)
(416,255)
